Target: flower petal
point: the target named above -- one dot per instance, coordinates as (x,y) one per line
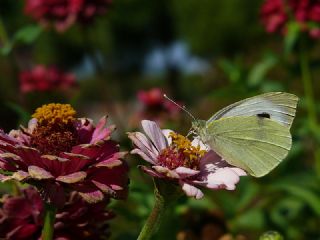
(166,171)
(145,148)
(191,190)
(101,132)
(223,178)
(20,175)
(73,177)
(197,142)
(155,134)
(184,172)
(166,133)
(39,173)
(151,172)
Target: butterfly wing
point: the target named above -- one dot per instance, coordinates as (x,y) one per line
(252,143)
(278,106)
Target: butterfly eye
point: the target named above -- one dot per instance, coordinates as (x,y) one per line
(263,115)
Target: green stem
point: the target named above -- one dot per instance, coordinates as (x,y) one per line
(48,227)
(154,219)
(3,34)
(309,94)
(307,84)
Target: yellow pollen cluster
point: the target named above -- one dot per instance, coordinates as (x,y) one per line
(184,144)
(54,114)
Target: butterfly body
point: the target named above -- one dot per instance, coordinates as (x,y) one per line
(253,134)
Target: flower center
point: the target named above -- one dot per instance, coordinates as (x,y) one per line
(180,153)
(55,131)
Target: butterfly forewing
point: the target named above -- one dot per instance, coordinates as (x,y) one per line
(253,143)
(278,106)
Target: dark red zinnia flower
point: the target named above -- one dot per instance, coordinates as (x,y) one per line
(64,13)
(58,152)
(275,15)
(21,218)
(40,79)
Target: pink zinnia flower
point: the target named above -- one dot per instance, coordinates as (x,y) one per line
(43,79)
(190,164)
(58,152)
(64,13)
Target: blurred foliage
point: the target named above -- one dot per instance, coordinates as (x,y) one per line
(109,59)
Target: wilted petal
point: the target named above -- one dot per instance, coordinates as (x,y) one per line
(155,134)
(91,194)
(72,178)
(109,164)
(191,190)
(20,175)
(39,173)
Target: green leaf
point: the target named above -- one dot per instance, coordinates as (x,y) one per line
(252,219)
(310,198)
(259,71)
(232,70)
(27,34)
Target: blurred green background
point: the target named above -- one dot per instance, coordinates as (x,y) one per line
(204,54)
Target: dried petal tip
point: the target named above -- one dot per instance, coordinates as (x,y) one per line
(54,114)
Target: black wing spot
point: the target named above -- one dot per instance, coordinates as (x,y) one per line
(263,115)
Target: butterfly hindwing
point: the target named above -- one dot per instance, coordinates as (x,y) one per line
(278,106)
(255,144)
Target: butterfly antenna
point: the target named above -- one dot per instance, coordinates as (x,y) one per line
(179,106)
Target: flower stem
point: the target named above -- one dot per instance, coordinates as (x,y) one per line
(48,227)
(307,84)
(154,219)
(310,100)
(165,193)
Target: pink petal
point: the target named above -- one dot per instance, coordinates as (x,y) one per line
(197,142)
(166,171)
(145,148)
(73,177)
(155,134)
(239,171)
(184,172)
(101,132)
(39,173)
(151,172)
(223,178)
(191,190)
(166,133)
